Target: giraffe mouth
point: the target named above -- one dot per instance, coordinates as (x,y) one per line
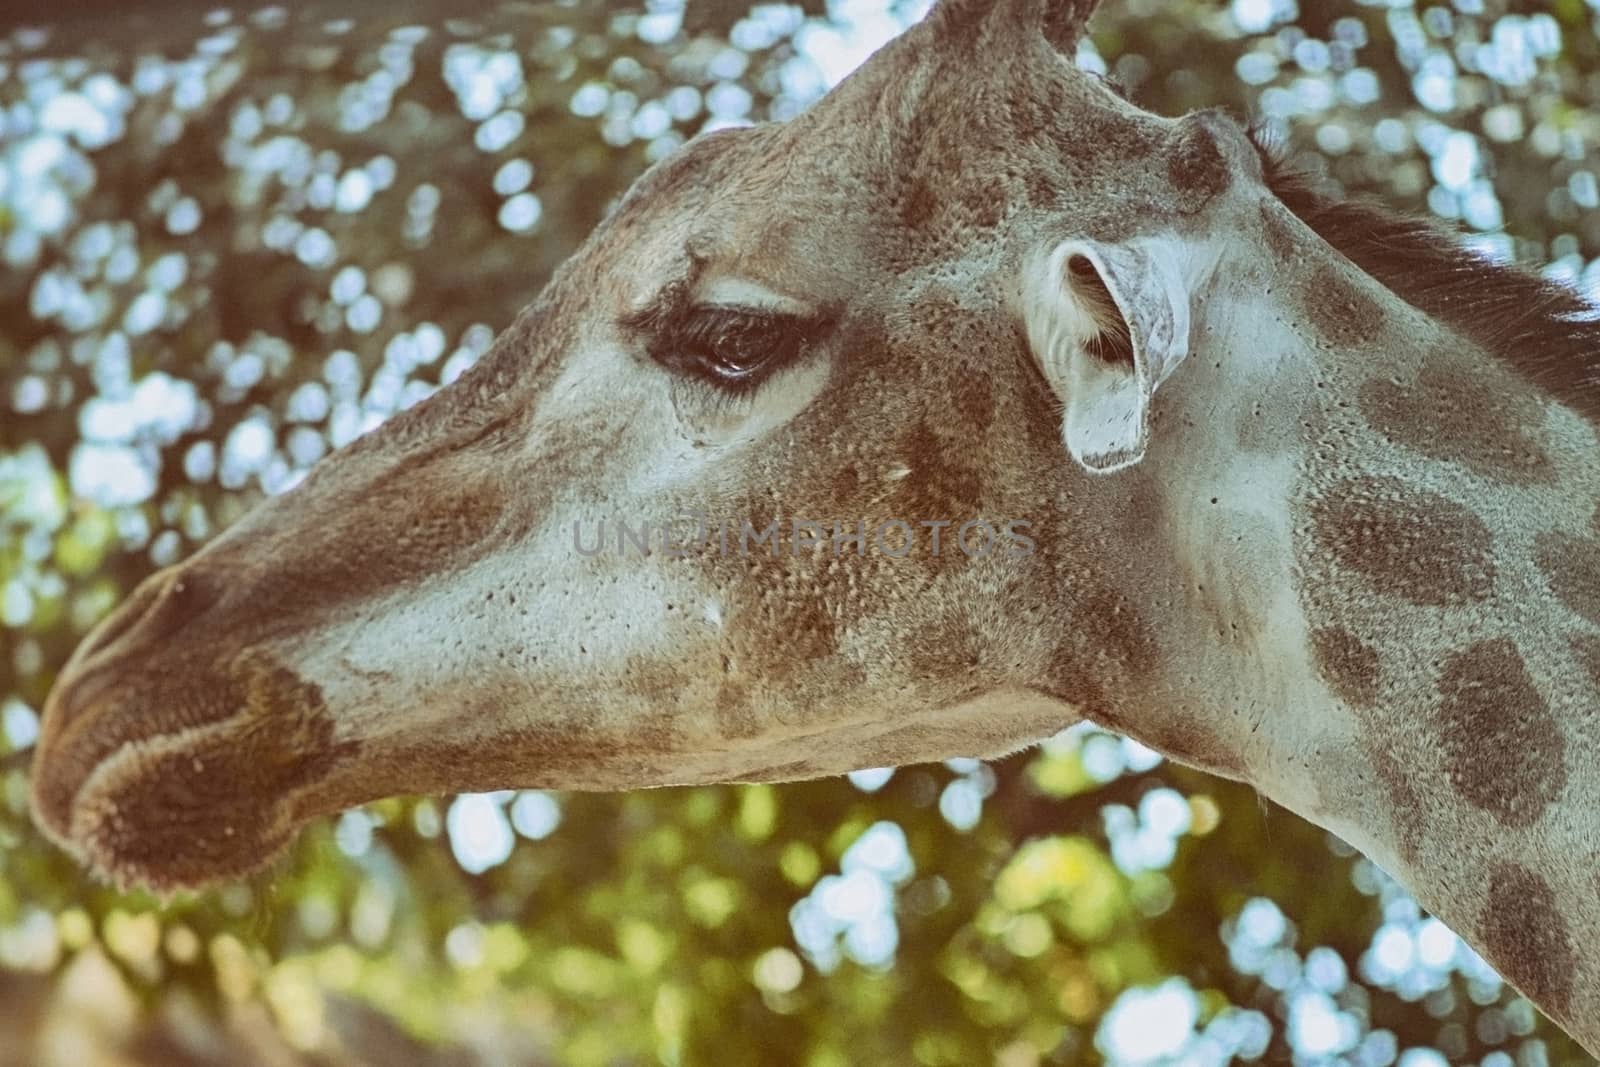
(176,810)
(159,814)
(171,763)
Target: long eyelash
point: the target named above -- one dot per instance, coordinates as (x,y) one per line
(673,316)
(669,321)
(713,326)
(664,313)
(674,334)
(673,327)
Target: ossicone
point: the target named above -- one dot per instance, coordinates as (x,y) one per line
(1060,22)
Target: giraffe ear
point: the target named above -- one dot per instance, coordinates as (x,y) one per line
(1107,324)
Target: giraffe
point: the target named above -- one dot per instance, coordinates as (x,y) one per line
(1298,493)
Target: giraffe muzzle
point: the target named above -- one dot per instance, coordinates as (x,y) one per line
(170,755)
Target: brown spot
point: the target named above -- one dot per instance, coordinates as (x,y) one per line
(1410,543)
(1503,747)
(940,486)
(784,603)
(1525,937)
(796,630)
(975,403)
(917,204)
(1342,314)
(1347,664)
(1450,416)
(964,335)
(1109,644)
(845,483)
(1572,567)
(981,209)
(1406,811)
(1587,651)
(1041,191)
(949,654)
(1196,166)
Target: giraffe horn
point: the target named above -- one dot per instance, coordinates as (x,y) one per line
(1063,21)
(1060,22)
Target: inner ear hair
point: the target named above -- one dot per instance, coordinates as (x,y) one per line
(1109,340)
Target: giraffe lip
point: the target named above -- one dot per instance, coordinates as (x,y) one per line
(170,758)
(152,813)
(86,724)
(177,780)
(65,758)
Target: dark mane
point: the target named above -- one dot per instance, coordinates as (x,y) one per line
(1543,329)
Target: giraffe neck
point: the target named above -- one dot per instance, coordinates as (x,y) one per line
(1450,573)
(1393,627)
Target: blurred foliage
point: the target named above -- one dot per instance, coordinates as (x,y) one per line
(232,241)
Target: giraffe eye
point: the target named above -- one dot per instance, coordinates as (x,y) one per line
(735,347)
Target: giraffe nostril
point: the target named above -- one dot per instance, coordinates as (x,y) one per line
(113,659)
(122,620)
(184,597)
(162,605)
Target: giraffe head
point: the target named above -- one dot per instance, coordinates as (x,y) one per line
(941,316)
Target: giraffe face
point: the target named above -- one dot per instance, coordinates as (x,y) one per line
(765,485)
